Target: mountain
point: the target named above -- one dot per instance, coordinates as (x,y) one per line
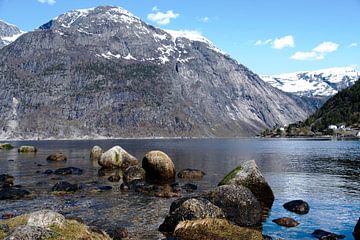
(102,72)
(320,83)
(8,33)
(343,108)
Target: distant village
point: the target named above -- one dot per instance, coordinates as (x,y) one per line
(299,130)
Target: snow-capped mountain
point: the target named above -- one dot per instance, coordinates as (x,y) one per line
(104,72)
(319,83)
(8,33)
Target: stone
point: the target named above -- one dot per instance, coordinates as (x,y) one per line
(6,146)
(297,206)
(57,157)
(26,232)
(96,153)
(8,215)
(118,233)
(13,193)
(158,167)
(48,172)
(65,187)
(27,149)
(191,174)
(324,235)
(117,157)
(286,222)
(238,203)
(134,173)
(4,227)
(6,180)
(69,171)
(249,175)
(114,178)
(191,209)
(219,229)
(189,187)
(46,219)
(356,232)
(105,188)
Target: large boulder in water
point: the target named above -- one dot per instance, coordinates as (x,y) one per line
(57,157)
(13,193)
(191,209)
(96,153)
(158,167)
(211,228)
(46,219)
(117,157)
(6,146)
(238,203)
(249,175)
(297,206)
(27,149)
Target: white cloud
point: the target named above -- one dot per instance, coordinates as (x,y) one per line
(262,43)
(162,18)
(354,44)
(50,2)
(286,41)
(204,19)
(318,53)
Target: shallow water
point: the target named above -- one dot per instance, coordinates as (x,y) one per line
(324,173)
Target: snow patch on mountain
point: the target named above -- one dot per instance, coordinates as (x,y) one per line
(323,82)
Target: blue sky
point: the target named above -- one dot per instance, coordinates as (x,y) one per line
(268,36)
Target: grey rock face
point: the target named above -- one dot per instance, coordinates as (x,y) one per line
(104,72)
(8,33)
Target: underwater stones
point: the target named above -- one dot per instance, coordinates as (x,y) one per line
(117,157)
(13,193)
(68,171)
(297,206)
(6,180)
(158,167)
(65,187)
(191,174)
(57,157)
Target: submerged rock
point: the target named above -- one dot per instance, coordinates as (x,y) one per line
(65,187)
(57,157)
(26,149)
(191,209)
(114,178)
(191,174)
(249,175)
(238,203)
(297,206)
(69,171)
(96,153)
(46,219)
(117,157)
(13,193)
(219,229)
(134,173)
(6,180)
(158,167)
(356,232)
(6,146)
(286,222)
(26,232)
(324,235)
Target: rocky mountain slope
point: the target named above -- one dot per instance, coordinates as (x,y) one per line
(103,72)
(8,33)
(320,83)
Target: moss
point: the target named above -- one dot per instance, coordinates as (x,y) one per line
(2,235)
(230,176)
(13,223)
(6,146)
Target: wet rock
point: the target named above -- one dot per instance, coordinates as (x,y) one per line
(6,146)
(189,187)
(324,235)
(191,174)
(65,187)
(30,233)
(158,167)
(191,209)
(114,178)
(141,187)
(69,171)
(356,232)
(249,175)
(238,203)
(6,180)
(167,193)
(286,222)
(45,219)
(219,229)
(134,173)
(27,149)
(267,237)
(57,157)
(118,233)
(13,193)
(6,216)
(105,188)
(95,153)
(4,227)
(48,172)
(297,206)
(117,157)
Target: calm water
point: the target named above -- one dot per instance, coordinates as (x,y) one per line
(324,173)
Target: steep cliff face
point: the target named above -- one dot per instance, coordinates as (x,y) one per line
(8,33)
(104,72)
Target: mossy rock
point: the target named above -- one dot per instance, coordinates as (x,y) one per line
(6,146)
(27,149)
(219,229)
